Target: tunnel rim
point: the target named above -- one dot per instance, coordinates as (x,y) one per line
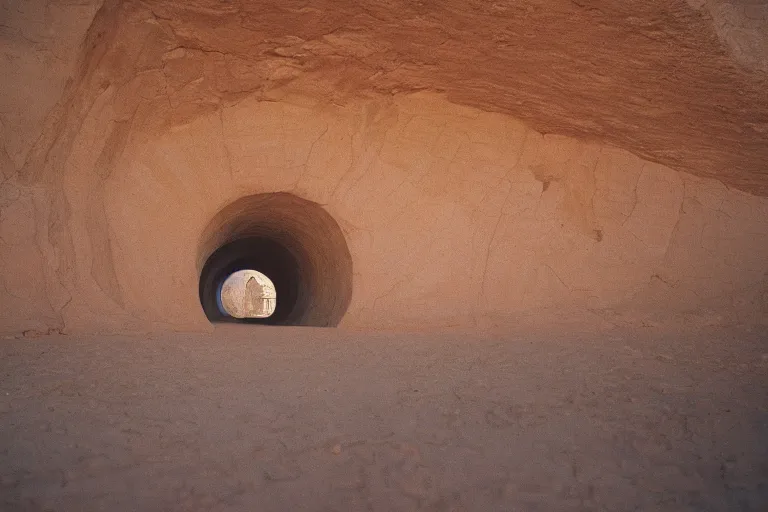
(308,235)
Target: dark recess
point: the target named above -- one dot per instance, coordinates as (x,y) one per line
(295,243)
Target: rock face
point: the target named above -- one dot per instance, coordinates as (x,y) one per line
(479,159)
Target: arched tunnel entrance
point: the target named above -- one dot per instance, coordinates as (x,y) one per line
(295,243)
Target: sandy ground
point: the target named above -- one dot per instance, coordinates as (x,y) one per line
(272,419)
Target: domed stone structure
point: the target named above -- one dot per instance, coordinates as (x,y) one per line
(248,294)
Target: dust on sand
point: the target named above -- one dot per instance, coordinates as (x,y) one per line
(309,419)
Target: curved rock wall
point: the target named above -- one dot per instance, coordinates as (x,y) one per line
(453,217)
(455,212)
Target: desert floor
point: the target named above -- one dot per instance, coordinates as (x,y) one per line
(284,419)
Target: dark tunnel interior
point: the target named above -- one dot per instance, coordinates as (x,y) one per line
(263,255)
(295,243)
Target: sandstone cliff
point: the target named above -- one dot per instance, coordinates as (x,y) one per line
(481,159)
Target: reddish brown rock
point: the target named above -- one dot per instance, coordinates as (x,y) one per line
(479,160)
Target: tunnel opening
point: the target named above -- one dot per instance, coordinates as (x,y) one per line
(291,241)
(247,293)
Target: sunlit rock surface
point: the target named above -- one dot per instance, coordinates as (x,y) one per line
(482,159)
(248,294)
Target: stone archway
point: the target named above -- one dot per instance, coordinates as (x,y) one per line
(294,242)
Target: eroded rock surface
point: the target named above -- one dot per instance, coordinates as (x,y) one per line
(743,26)
(481,158)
